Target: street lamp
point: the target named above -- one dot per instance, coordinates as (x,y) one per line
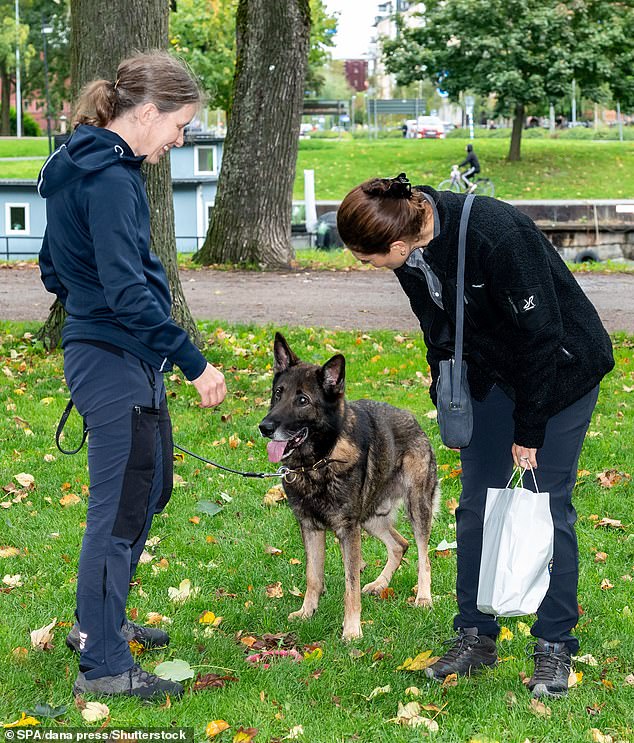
(46,30)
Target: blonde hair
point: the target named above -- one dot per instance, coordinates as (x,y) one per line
(151,77)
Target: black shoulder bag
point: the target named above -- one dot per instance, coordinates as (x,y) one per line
(455,413)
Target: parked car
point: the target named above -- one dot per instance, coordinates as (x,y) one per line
(431,127)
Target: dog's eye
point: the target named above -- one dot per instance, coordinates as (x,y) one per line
(302,400)
(278,393)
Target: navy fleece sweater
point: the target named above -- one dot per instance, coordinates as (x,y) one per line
(96,255)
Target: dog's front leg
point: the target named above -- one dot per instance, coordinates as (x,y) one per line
(350,542)
(315,548)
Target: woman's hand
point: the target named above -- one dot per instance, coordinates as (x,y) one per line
(524,457)
(210,386)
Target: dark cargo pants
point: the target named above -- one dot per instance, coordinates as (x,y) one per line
(486,463)
(122,401)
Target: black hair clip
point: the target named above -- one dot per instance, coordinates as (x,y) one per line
(400,187)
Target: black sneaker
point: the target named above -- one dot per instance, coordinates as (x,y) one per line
(552,669)
(149,637)
(468,654)
(133,683)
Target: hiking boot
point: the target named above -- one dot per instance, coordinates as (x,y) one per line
(469,653)
(148,637)
(552,668)
(134,682)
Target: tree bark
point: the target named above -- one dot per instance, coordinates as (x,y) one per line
(102,34)
(516,134)
(5,79)
(251,221)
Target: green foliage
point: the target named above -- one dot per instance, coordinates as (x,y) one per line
(203,32)
(30,127)
(226,557)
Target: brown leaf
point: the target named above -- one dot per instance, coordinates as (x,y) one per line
(451,504)
(269,550)
(275,590)
(211,681)
(245,735)
(600,557)
(614,523)
(387,593)
(539,708)
(70,499)
(450,680)
(274,496)
(612,477)
(606,585)
(215,727)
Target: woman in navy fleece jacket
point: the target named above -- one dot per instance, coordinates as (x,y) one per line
(118,339)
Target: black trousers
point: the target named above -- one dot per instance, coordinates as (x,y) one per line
(122,401)
(487,462)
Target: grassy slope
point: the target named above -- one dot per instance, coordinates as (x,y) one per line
(331,706)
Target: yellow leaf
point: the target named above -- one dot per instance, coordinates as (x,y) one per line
(275,590)
(46,400)
(245,735)
(234,441)
(599,737)
(505,634)
(450,680)
(608,684)
(22,722)
(574,679)
(419,663)
(207,617)
(523,629)
(195,519)
(316,654)
(9,551)
(215,727)
(274,495)
(606,585)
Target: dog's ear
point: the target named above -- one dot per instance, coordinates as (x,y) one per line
(284,357)
(333,375)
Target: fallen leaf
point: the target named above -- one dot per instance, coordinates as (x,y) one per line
(211,681)
(451,504)
(234,441)
(42,638)
(445,545)
(94,711)
(245,735)
(629,679)
(294,732)
(45,710)
(207,617)
(174,670)
(612,477)
(505,634)
(208,507)
(154,618)
(599,737)
(13,581)
(409,715)
(9,551)
(575,678)
(613,523)
(419,663)
(22,722)
(269,550)
(606,585)
(378,691)
(600,557)
(274,495)
(314,654)
(274,590)
(412,691)
(195,519)
(539,708)
(183,592)
(387,593)
(523,629)
(608,684)
(27,481)
(215,727)
(70,499)
(450,680)
(587,659)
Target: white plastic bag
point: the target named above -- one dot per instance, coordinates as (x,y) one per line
(517,550)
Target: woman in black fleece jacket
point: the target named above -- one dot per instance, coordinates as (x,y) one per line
(536,351)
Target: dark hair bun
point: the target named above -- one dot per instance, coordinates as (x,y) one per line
(391,188)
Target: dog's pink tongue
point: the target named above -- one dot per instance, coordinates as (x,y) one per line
(275,450)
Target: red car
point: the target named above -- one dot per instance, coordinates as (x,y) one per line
(430,127)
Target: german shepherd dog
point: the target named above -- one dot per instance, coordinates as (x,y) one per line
(351,464)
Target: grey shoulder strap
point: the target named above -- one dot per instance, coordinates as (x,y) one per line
(462,248)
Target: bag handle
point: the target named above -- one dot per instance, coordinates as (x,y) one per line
(456,370)
(521,471)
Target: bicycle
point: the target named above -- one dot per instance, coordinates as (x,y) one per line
(457,184)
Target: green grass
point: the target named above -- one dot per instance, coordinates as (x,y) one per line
(550,168)
(331,705)
(23,147)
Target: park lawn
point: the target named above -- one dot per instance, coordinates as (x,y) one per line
(228,557)
(23,147)
(549,169)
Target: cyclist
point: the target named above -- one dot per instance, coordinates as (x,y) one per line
(473,168)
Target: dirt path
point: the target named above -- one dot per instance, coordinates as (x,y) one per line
(363,300)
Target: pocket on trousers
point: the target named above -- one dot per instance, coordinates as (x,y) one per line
(138,476)
(167,449)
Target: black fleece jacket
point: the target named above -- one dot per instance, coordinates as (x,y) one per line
(528,325)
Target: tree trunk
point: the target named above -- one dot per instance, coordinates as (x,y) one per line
(5,80)
(516,134)
(251,221)
(102,34)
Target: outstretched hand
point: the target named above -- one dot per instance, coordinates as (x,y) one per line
(210,386)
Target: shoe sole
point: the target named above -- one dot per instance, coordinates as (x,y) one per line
(541,690)
(156,696)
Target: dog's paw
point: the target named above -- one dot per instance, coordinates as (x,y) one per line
(300,615)
(424,602)
(352,632)
(375,588)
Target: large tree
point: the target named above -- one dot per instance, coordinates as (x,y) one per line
(251,217)
(522,51)
(99,41)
